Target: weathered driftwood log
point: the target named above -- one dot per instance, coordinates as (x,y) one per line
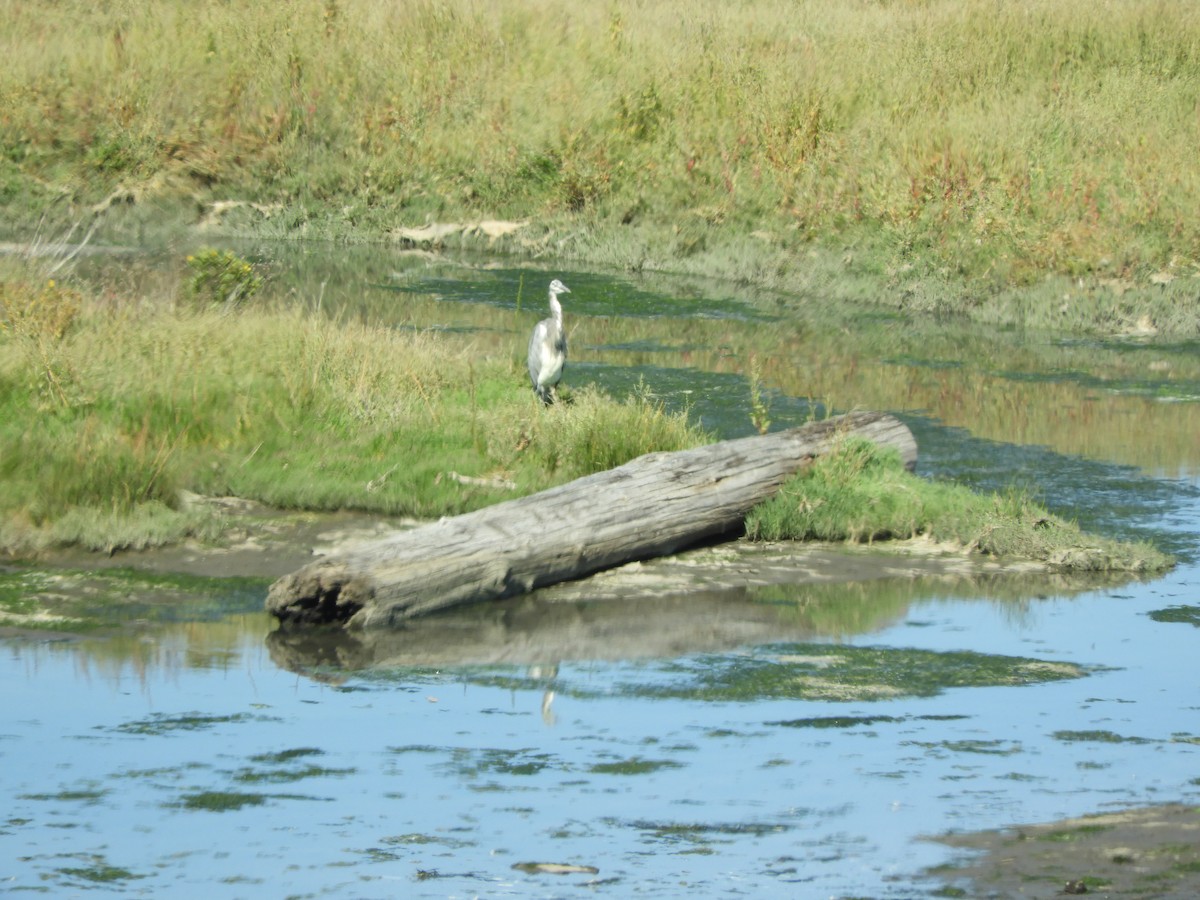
(652,506)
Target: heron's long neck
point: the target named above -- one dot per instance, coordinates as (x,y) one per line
(556,308)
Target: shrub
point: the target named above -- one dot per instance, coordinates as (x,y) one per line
(221,278)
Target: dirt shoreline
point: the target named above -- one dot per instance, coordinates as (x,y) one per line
(260,542)
(1148,852)
(264,543)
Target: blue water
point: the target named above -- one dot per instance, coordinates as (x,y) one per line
(436,784)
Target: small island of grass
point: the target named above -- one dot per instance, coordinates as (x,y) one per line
(862,493)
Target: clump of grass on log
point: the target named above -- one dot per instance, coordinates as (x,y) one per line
(862,493)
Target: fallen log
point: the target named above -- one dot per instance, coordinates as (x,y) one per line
(654,505)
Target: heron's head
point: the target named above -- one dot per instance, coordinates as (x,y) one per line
(557,287)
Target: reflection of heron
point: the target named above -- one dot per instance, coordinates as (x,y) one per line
(548,347)
(546,674)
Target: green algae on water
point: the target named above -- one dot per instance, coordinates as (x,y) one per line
(286,755)
(86,796)
(161,724)
(280,776)
(86,601)
(99,872)
(1186,615)
(822,672)
(221,801)
(635,765)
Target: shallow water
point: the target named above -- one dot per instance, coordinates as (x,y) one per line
(208,759)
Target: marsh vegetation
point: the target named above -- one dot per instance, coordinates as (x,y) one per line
(862,493)
(122,413)
(1027,162)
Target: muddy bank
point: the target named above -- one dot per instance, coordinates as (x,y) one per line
(260,542)
(1147,852)
(129,590)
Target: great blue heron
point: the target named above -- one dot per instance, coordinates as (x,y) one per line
(548,347)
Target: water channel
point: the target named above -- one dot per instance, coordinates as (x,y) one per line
(814,757)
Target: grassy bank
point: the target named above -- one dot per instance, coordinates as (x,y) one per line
(1027,162)
(112,407)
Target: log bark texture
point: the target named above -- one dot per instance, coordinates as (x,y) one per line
(654,505)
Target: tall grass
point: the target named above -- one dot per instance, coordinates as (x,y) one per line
(986,139)
(295,409)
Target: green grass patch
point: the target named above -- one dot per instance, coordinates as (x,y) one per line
(861,492)
(112,414)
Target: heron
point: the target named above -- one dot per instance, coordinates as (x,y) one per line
(548,347)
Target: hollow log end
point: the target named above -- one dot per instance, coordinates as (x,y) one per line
(319,594)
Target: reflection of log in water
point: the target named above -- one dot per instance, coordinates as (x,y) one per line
(657,610)
(533,630)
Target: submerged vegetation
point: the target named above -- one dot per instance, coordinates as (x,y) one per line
(1023,162)
(74,601)
(821,671)
(862,492)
